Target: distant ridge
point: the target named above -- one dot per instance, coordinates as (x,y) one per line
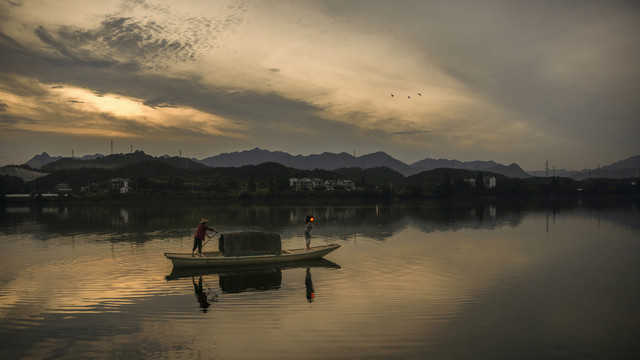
(43,159)
(324,161)
(513,170)
(622,169)
(332,161)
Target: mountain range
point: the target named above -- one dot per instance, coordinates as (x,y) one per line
(331,161)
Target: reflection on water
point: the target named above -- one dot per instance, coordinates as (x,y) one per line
(437,281)
(203,293)
(239,279)
(308,283)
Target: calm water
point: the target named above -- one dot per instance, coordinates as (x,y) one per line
(434,282)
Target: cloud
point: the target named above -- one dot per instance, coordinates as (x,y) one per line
(106,115)
(498,80)
(411,132)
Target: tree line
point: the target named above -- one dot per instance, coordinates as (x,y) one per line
(152,177)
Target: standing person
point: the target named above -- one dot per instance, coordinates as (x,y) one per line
(308,225)
(201,233)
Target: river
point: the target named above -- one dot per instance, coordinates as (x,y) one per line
(409,282)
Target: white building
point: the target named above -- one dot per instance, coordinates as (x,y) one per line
(489,182)
(119,184)
(316,183)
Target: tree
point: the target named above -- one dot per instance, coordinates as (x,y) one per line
(479,189)
(445,188)
(252,185)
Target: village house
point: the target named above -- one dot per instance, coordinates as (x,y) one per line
(316,183)
(119,184)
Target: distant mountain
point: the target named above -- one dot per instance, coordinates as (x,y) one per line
(43,159)
(248,157)
(38,161)
(324,161)
(331,161)
(430,164)
(380,159)
(513,170)
(119,160)
(618,170)
(630,163)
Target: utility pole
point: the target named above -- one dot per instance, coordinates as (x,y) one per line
(546,168)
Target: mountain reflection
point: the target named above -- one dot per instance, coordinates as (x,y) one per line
(141,222)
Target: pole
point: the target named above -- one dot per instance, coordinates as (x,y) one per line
(210,237)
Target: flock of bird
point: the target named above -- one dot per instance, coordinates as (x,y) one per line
(408,97)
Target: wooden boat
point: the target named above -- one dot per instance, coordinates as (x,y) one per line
(221,271)
(215,258)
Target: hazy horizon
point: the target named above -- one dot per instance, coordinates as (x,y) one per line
(512,81)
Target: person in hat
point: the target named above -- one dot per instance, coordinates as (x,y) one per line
(308,225)
(201,233)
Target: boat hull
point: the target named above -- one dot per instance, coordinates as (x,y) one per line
(214,258)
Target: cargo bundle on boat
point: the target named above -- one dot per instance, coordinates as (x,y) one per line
(250,243)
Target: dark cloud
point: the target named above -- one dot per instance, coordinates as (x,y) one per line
(567,68)
(46,38)
(7,121)
(15,3)
(563,69)
(255,109)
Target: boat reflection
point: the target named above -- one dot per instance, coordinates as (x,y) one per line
(249,280)
(233,280)
(177,273)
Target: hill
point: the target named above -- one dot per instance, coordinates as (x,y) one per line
(325,161)
(333,161)
(39,161)
(117,161)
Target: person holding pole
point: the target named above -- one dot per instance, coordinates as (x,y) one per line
(201,233)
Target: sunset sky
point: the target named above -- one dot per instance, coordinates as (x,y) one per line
(511,81)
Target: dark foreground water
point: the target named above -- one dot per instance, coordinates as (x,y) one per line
(437,282)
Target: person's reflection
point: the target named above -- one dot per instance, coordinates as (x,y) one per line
(309,285)
(201,294)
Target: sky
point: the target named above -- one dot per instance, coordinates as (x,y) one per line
(526,82)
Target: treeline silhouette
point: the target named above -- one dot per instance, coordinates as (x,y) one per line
(150,177)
